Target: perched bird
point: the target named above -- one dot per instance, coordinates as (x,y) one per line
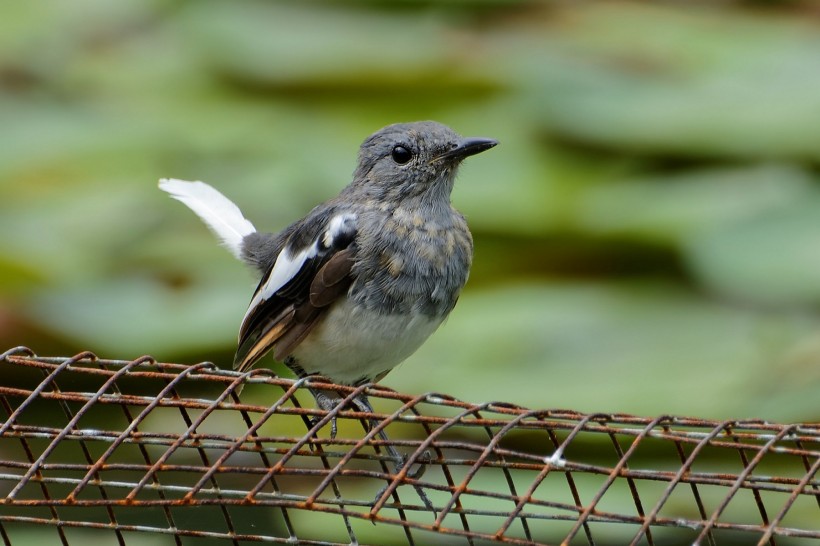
(356,286)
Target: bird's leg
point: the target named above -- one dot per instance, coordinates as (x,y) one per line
(363,404)
(324,400)
(327,403)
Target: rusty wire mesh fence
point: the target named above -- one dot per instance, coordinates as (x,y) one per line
(127,451)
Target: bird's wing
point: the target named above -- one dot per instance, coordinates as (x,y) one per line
(311,272)
(217,211)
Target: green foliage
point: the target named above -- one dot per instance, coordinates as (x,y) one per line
(647,234)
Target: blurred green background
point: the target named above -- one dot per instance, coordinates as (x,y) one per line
(647,233)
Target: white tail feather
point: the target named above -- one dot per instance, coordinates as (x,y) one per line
(217,211)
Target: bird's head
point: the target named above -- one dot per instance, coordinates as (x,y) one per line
(408,160)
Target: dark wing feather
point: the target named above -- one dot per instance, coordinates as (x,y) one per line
(330,283)
(260,339)
(282,321)
(333,279)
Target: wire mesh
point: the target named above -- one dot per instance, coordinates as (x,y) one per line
(124,449)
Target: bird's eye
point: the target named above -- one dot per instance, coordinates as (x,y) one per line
(401,155)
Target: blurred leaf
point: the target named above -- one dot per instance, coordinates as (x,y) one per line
(772,258)
(26,25)
(279,44)
(17,277)
(525,186)
(608,348)
(70,235)
(129,317)
(702,82)
(794,378)
(269,102)
(672,207)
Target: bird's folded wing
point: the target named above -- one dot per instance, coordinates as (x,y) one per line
(298,288)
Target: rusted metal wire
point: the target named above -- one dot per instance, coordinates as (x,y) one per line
(125,448)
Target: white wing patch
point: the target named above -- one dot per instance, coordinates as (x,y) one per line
(341,224)
(285,268)
(218,212)
(288,266)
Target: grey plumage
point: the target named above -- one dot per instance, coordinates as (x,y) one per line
(409,250)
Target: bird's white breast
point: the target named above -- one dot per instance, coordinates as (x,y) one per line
(352,342)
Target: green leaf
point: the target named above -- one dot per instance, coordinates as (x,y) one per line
(290,45)
(658,80)
(670,208)
(129,317)
(608,348)
(770,258)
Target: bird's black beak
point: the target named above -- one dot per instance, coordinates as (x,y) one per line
(469,146)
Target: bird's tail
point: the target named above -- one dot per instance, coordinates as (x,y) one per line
(217,211)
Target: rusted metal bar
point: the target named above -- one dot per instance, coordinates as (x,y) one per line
(184,440)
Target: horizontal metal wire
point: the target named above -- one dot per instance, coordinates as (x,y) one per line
(133,447)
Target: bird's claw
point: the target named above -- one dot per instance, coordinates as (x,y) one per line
(416,474)
(328,404)
(314,420)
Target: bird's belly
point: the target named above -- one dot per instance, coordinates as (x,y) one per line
(353,343)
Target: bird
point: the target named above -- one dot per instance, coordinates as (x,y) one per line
(358,284)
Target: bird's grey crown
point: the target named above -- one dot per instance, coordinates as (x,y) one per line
(379,177)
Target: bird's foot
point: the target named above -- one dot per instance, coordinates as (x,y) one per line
(326,403)
(401,462)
